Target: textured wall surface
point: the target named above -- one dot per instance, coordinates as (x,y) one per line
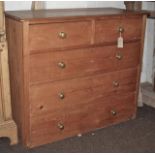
(149,40)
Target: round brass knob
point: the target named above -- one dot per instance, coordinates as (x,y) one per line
(61,95)
(120,29)
(115,83)
(119,56)
(113,112)
(61,65)
(62,35)
(61,126)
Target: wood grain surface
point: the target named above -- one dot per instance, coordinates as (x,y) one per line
(81,62)
(96,84)
(44,98)
(36,15)
(87,118)
(46,36)
(8,127)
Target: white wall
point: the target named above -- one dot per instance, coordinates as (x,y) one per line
(149,41)
(17,5)
(65,4)
(26,5)
(149,45)
(115,4)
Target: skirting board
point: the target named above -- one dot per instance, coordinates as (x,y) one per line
(148,95)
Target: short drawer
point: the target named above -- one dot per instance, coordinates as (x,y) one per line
(62,96)
(59,35)
(103,112)
(108,30)
(61,65)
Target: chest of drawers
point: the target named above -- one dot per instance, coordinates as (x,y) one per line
(67,74)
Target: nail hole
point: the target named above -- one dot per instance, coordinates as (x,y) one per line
(41,107)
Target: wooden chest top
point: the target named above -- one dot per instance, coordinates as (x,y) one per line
(69,13)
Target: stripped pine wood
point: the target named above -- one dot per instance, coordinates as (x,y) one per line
(8,127)
(66,78)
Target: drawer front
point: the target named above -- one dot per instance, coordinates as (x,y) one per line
(98,114)
(59,35)
(57,97)
(108,30)
(132,28)
(53,66)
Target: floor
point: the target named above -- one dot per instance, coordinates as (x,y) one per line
(133,136)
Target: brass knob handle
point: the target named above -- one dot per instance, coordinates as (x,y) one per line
(61,65)
(61,126)
(115,83)
(113,112)
(119,56)
(61,95)
(62,35)
(120,29)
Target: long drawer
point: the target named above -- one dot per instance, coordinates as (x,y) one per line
(60,65)
(97,114)
(56,97)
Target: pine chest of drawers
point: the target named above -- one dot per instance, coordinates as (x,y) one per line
(68,76)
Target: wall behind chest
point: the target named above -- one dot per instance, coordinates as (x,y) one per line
(149,45)
(26,5)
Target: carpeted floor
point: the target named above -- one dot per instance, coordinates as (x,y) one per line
(133,136)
